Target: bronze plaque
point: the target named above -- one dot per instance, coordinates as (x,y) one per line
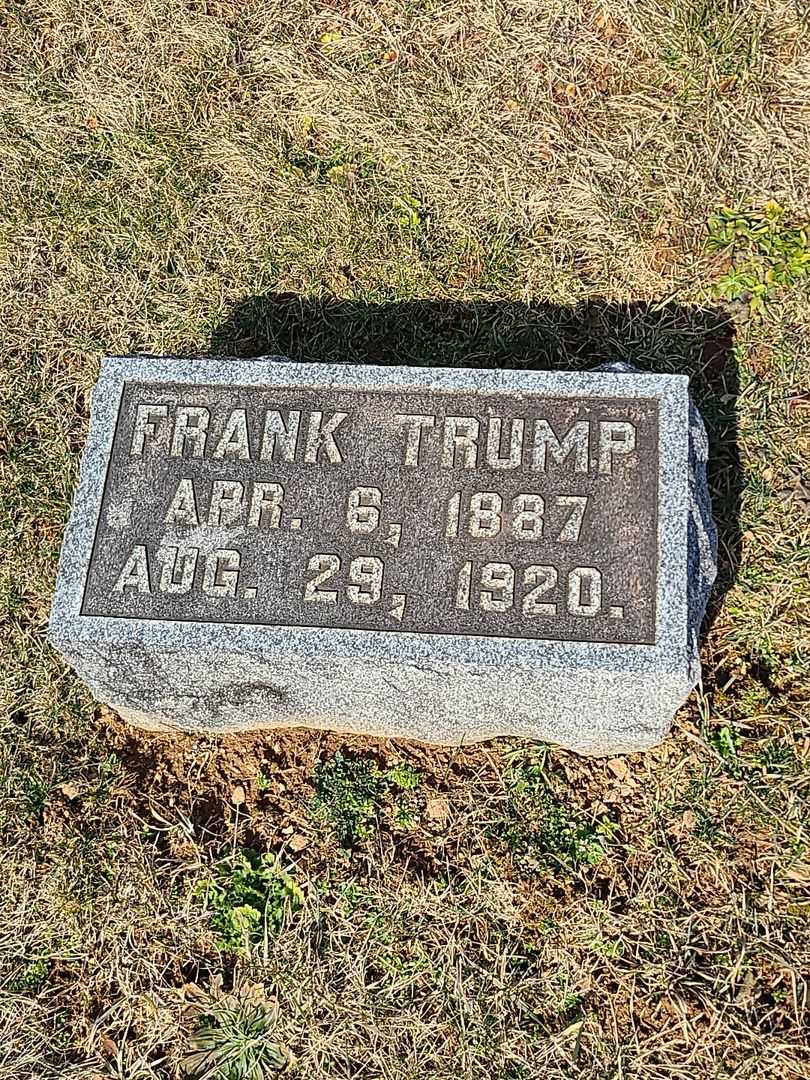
(429,512)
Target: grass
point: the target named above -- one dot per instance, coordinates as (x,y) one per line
(555,184)
(540,829)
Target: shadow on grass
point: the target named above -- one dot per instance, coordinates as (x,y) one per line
(540,336)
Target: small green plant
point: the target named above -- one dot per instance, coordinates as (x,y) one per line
(249,895)
(347,791)
(404,776)
(350,794)
(566,999)
(726,742)
(36,790)
(233,1041)
(31,979)
(408,212)
(336,164)
(611,949)
(540,828)
(776,757)
(768,255)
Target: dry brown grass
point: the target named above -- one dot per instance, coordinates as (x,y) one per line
(440,182)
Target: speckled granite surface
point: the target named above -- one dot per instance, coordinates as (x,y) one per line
(592,697)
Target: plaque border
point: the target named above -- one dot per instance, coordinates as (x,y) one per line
(339,626)
(673,504)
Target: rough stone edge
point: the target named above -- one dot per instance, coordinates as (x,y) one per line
(701,548)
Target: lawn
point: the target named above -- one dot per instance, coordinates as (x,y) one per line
(537,184)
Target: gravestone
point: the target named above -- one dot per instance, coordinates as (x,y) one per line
(439,554)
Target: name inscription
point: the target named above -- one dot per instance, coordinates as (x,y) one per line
(495,514)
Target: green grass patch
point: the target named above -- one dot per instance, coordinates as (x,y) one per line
(712,38)
(31,979)
(540,829)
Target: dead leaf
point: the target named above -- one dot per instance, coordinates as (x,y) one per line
(109,1047)
(70,791)
(91,123)
(298,842)
(238,795)
(688,821)
(800,403)
(437,809)
(606,27)
(618,766)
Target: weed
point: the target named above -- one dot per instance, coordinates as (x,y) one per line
(347,792)
(350,794)
(404,776)
(610,949)
(234,1041)
(336,164)
(31,979)
(776,757)
(35,790)
(539,828)
(409,215)
(726,743)
(769,256)
(567,1000)
(250,895)
(708,828)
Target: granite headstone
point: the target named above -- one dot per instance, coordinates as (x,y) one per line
(431,553)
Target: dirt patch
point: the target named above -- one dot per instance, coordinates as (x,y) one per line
(261,783)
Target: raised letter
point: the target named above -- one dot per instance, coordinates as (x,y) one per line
(615,437)
(464,442)
(183,507)
(135,574)
(547,444)
(265,505)
(415,423)
(145,424)
(187,557)
(219,582)
(276,434)
(321,437)
(570,531)
(234,441)
(515,455)
(363,509)
(194,432)
(226,502)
